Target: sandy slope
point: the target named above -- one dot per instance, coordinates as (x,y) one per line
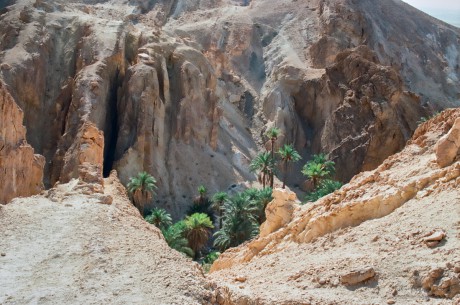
(74,250)
(378,220)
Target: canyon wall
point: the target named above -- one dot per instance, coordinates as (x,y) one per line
(186,90)
(21,171)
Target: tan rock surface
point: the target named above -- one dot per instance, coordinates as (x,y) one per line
(167,80)
(21,171)
(67,248)
(448,147)
(380,219)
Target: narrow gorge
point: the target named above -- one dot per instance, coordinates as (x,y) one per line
(93,92)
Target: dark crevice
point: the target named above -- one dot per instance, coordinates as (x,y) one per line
(111,127)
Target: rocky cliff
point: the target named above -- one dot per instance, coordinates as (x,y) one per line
(185,89)
(21,171)
(390,235)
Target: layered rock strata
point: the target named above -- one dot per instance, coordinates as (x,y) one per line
(185,90)
(380,238)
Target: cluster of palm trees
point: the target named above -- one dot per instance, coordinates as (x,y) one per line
(235,218)
(265,162)
(240,216)
(319,170)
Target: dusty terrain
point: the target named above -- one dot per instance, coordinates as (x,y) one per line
(65,247)
(382,219)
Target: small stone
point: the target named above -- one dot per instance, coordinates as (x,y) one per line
(357,276)
(436,236)
(394,292)
(241,279)
(391,301)
(322,281)
(3,254)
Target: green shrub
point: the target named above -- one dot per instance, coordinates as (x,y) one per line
(324,188)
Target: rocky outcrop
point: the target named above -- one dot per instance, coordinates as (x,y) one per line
(448,147)
(279,211)
(401,219)
(167,80)
(21,171)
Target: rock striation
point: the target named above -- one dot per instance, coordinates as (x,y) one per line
(21,173)
(400,218)
(166,80)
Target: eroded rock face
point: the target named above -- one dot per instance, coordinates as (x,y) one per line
(185,90)
(279,211)
(372,233)
(448,147)
(21,171)
(369,195)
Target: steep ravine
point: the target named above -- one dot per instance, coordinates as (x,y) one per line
(389,236)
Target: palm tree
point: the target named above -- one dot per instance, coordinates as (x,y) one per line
(218,204)
(235,232)
(202,204)
(273,134)
(160,218)
(142,189)
(318,169)
(263,163)
(197,231)
(202,193)
(325,187)
(263,199)
(326,164)
(240,222)
(288,154)
(174,236)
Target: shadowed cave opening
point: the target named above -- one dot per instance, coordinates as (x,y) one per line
(111,127)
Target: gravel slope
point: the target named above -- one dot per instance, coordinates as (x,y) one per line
(74,250)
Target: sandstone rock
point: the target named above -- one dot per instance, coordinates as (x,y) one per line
(21,171)
(84,159)
(217,78)
(440,284)
(434,238)
(279,211)
(357,276)
(448,147)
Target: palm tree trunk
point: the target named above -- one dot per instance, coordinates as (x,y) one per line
(220,217)
(263,179)
(273,158)
(285,175)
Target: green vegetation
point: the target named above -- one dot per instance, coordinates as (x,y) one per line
(239,222)
(218,201)
(239,215)
(324,188)
(198,230)
(160,218)
(263,163)
(175,237)
(202,204)
(318,169)
(288,155)
(209,259)
(273,134)
(141,188)
(425,119)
